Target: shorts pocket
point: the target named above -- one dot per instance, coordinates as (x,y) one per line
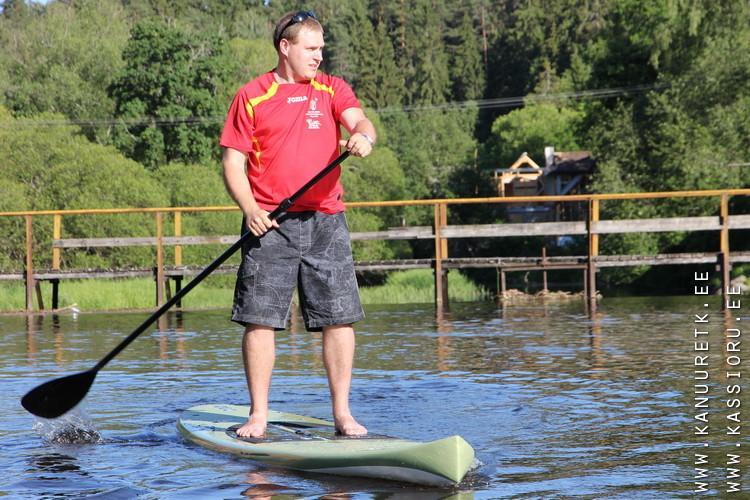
(248,268)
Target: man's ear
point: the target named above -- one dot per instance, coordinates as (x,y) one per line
(284,46)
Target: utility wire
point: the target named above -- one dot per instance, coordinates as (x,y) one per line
(496,103)
(509,102)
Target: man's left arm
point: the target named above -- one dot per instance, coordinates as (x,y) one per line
(362,132)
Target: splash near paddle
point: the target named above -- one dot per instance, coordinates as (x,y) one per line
(311,445)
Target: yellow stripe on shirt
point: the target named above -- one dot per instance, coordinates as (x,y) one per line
(319,86)
(249,107)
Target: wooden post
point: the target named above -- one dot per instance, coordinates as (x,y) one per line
(726,266)
(177,288)
(159,261)
(443,222)
(503,285)
(178,255)
(31,331)
(439,304)
(444,252)
(39,298)
(55,293)
(585,284)
(29,266)
(178,232)
(56,235)
(593,252)
(544,273)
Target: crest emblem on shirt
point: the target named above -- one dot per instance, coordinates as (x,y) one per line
(312,109)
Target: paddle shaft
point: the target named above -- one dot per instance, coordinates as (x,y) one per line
(283,207)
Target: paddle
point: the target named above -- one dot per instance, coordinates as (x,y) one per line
(58,396)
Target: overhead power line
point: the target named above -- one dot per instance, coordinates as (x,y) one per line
(496,103)
(510,102)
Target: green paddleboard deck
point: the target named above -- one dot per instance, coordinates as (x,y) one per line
(312,445)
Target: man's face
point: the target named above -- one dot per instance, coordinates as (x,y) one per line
(306,54)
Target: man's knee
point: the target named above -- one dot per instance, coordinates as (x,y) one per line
(253,329)
(346,327)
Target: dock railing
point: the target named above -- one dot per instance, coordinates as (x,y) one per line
(439,232)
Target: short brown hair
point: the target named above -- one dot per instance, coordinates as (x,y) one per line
(286,28)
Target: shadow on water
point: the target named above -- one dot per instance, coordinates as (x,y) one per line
(54,464)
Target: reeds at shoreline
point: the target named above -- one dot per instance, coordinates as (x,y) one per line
(402,287)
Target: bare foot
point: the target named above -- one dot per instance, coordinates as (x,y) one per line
(255,427)
(347,426)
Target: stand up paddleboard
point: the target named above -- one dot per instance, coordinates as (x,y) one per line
(311,445)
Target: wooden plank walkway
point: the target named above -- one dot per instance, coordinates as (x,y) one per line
(439,232)
(505,263)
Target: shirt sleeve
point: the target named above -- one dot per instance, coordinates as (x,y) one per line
(238,127)
(343,98)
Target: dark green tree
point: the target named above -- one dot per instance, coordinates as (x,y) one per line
(230,18)
(348,30)
(529,130)
(431,83)
(363,55)
(169,95)
(382,84)
(466,65)
(431,144)
(418,30)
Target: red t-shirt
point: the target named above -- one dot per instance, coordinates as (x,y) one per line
(290,132)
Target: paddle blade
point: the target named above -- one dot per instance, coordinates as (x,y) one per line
(58,396)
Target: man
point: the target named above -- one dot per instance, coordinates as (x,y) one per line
(282,128)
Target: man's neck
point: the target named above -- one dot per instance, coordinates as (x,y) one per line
(283,75)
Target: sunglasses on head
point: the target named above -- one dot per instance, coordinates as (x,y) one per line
(298,17)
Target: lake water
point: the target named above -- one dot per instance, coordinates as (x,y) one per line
(555,403)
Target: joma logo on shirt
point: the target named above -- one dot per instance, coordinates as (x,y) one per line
(290,100)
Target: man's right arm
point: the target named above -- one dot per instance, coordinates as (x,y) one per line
(238,186)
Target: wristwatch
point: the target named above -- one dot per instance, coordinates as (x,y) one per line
(369,139)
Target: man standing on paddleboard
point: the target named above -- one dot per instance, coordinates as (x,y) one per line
(283,128)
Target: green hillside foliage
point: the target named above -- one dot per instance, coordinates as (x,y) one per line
(108,103)
(179,82)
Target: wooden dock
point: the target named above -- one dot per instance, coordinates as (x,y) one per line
(439,232)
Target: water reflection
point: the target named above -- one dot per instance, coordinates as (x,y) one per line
(595,341)
(262,488)
(33,326)
(557,402)
(444,326)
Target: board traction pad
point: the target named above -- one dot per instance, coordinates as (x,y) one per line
(285,431)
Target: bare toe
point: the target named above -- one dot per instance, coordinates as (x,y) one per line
(255,427)
(347,426)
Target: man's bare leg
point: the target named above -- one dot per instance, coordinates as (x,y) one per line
(258,354)
(338,357)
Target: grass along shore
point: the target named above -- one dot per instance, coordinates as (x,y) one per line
(402,287)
